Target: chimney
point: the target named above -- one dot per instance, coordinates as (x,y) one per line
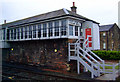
(4,21)
(73,8)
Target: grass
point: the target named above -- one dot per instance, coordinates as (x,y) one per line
(110,67)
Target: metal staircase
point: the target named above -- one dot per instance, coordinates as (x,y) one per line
(80,52)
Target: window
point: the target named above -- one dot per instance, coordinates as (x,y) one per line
(70,30)
(50,29)
(44,30)
(14,33)
(76,30)
(34,31)
(25,32)
(63,27)
(104,45)
(39,30)
(18,33)
(21,33)
(104,34)
(8,31)
(30,31)
(56,28)
(3,34)
(112,45)
(11,34)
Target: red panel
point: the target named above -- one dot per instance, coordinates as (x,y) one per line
(90,44)
(87,32)
(90,39)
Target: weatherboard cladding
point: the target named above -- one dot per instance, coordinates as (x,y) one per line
(45,16)
(106,27)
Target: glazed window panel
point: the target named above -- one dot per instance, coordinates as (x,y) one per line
(34,31)
(14,33)
(30,31)
(56,28)
(8,34)
(71,30)
(76,30)
(45,30)
(63,27)
(39,30)
(104,45)
(21,33)
(11,34)
(50,29)
(25,32)
(18,33)
(3,34)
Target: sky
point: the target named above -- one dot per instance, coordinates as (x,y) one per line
(102,11)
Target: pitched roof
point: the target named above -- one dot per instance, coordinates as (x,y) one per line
(106,27)
(53,14)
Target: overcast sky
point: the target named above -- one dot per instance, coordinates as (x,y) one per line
(102,11)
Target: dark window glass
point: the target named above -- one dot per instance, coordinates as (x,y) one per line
(70,30)
(76,30)
(30,31)
(34,31)
(63,27)
(39,30)
(26,32)
(44,30)
(81,31)
(14,33)
(50,29)
(18,33)
(56,28)
(4,34)
(21,33)
(8,31)
(11,34)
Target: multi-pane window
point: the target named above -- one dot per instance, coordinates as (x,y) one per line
(8,31)
(50,29)
(30,31)
(76,30)
(25,32)
(34,31)
(56,28)
(14,33)
(104,45)
(3,34)
(44,30)
(11,34)
(70,30)
(18,33)
(21,33)
(63,27)
(104,34)
(39,30)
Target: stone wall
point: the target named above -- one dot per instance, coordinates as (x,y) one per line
(112,39)
(40,52)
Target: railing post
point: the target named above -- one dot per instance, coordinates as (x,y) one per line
(68,51)
(98,70)
(92,75)
(119,68)
(78,67)
(114,74)
(103,65)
